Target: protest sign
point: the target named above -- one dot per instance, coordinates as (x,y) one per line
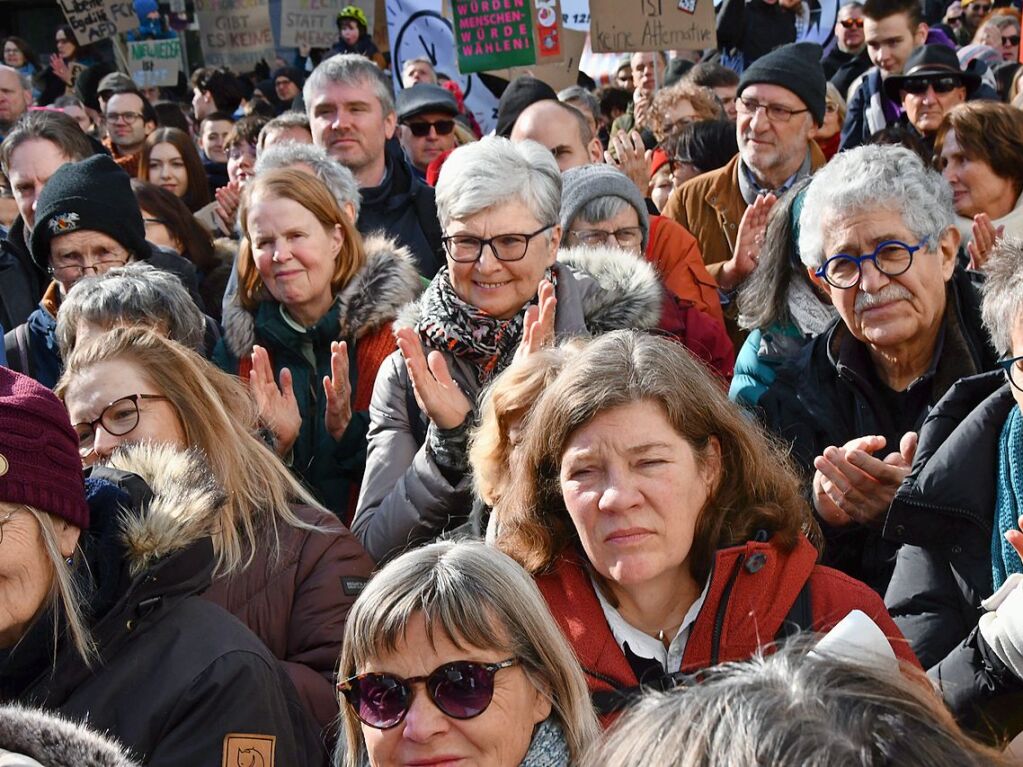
(575,14)
(547,31)
(651,25)
(122,14)
(153,63)
(93,20)
(235,33)
(493,34)
(563,74)
(314,22)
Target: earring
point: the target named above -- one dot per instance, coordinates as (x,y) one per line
(70,561)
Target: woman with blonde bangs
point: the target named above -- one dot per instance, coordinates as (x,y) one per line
(285,566)
(310,326)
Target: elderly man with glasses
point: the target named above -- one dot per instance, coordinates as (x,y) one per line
(426,116)
(877,233)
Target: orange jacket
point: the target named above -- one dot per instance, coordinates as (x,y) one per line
(676,256)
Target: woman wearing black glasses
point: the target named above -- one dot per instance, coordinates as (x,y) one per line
(499,204)
(451,656)
(960,511)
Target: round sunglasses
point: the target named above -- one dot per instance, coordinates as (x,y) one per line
(461,689)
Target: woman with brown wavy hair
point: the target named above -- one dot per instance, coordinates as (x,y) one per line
(666,531)
(171,161)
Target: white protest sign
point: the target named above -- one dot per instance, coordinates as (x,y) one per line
(153,63)
(235,33)
(314,22)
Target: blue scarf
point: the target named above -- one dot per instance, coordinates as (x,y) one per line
(1009,490)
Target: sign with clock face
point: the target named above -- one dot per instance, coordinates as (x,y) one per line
(417,29)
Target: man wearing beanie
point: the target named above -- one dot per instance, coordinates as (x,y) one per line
(86,222)
(780,104)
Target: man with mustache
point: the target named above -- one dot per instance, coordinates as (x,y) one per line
(877,235)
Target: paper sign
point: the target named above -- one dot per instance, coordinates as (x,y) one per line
(565,73)
(93,20)
(651,25)
(493,34)
(122,13)
(575,14)
(547,31)
(235,33)
(314,22)
(154,62)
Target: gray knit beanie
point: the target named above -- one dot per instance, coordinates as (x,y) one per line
(589,182)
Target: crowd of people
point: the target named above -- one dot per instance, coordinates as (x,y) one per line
(677,420)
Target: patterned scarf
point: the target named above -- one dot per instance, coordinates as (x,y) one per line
(452,325)
(1008,491)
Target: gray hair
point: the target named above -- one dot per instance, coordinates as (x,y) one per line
(600,209)
(874,178)
(1002,308)
(337,177)
(283,122)
(474,595)
(347,68)
(418,60)
(56,127)
(495,170)
(793,709)
(134,294)
(579,93)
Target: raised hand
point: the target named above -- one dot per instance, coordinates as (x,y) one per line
(629,156)
(1015,538)
(748,243)
(538,324)
(338,390)
(436,391)
(277,406)
(60,68)
(984,236)
(229,197)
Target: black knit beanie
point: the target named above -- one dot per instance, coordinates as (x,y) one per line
(520,93)
(795,67)
(91,195)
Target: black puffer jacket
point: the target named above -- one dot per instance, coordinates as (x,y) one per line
(824,397)
(178,679)
(943,516)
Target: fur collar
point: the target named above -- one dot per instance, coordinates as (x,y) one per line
(57,742)
(184,506)
(615,290)
(370,300)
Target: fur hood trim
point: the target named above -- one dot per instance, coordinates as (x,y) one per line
(57,742)
(371,299)
(185,504)
(617,290)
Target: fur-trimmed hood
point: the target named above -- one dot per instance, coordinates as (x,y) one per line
(612,289)
(56,742)
(371,299)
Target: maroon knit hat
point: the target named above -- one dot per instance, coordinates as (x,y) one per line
(39,462)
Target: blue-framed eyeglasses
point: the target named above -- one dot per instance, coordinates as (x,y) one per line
(891,258)
(1012,371)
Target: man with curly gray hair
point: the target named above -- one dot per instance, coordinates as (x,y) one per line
(877,234)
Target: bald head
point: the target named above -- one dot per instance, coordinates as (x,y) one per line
(15,96)
(562,129)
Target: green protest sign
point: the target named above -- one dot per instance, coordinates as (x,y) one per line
(153,63)
(493,34)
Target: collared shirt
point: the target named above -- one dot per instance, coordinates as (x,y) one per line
(646,646)
(750,188)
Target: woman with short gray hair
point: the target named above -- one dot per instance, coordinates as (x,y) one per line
(499,204)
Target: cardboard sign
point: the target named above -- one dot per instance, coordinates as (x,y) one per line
(93,20)
(153,63)
(314,22)
(565,73)
(493,34)
(235,33)
(122,13)
(651,25)
(547,31)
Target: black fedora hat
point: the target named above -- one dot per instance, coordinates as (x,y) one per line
(930,61)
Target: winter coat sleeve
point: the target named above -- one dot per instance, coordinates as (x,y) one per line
(405,497)
(752,377)
(855,117)
(676,255)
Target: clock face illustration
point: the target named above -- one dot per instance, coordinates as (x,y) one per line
(428,34)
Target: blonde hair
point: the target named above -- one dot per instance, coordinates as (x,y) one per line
(313,195)
(474,595)
(219,418)
(704,102)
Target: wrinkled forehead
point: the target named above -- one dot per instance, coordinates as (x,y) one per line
(84,242)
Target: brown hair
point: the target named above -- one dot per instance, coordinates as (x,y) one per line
(246,129)
(704,102)
(196,241)
(313,195)
(197,194)
(757,488)
(988,131)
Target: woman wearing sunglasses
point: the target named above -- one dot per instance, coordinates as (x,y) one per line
(451,657)
(958,516)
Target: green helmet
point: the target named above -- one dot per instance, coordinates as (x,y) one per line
(356,14)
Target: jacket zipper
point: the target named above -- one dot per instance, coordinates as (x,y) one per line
(719,618)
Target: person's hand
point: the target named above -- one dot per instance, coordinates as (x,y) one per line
(640,106)
(984,236)
(304,49)
(60,68)
(277,407)
(1015,538)
(629,156)
(338,390)
(748,243)
(436,391)
(229,197)
(538,324)
(851,485)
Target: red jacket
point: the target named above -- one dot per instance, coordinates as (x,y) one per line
(752,589)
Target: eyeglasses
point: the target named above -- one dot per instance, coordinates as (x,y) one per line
(422,129)
(1011,369)
(61,40)
(466,249)
(76,270)
(1010,39)
(775,112)
(954,19)
(851,23)
(981,7)
(118,418)
(830,107)
(125,117)
(462,689)
(919,85)
(890,257)
(627,236)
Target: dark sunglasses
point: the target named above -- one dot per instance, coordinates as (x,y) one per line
(918,85)
(852,23)
(1010,39)
(461,689)
(421,129)
(954,19)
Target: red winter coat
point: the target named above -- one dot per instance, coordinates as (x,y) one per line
(748,600)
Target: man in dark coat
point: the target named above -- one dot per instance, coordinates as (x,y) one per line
(848,59)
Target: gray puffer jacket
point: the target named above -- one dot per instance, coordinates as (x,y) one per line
(406,499)
(30,736)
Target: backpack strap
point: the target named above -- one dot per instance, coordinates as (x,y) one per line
(799,618)
(18,347)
